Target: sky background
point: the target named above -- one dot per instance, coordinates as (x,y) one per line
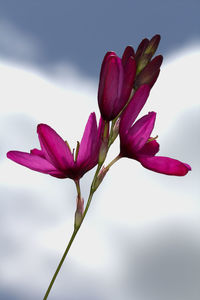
(141,237)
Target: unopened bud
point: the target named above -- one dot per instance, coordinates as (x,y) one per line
(141,48)
(153,45)
(79,211)
(104,144)
(100,178)
(150,73)
(115,131)
(145,52)
(128,52)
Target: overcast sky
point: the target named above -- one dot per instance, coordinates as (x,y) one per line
(141,237)
(80,32)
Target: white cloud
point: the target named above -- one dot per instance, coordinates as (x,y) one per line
(37,210)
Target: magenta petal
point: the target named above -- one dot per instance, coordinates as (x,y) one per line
(54,147)
(139,134)
(38,153)
(149,149)
(134,107)
(34,162)
(165,165)
(129,76)
(89,140)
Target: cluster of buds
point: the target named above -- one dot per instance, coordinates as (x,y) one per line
(121,77)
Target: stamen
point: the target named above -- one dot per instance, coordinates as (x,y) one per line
(73,153)
(77,149)
(152,139)
(68,146)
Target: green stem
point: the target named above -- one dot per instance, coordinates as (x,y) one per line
(77,183)
(75,230)
(113,161)
(60,264)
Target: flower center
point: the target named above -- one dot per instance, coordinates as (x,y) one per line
(73,151)
(77,149)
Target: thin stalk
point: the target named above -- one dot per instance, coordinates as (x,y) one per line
(77,183)
(60,264)
(75,230)
(113,161)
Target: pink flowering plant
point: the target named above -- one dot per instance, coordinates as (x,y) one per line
(124,87)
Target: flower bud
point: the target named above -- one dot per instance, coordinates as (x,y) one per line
(150,73)
(141,48)
(128,52)
(100,178)
(115,131)
(153,45)
(79,212)
(115,84)
(104,143)
(145,52)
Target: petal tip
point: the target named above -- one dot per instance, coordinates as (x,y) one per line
(188,167)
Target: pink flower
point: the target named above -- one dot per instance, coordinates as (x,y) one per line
(136,143)
(55,157)
(115,84)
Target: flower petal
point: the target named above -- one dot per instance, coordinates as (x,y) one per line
(139,133)
(38,153)
(89,140)
(134,107)
(54,147)
(34,162)
(165,165)
(129,76)
(149,149)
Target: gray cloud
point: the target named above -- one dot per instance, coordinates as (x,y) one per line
(82,31)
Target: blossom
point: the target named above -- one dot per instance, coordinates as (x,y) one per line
(136,143)
(55,157)
(115,84)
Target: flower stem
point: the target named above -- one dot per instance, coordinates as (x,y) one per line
(77,183)
(61,262)
(113,161)
(76,229)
